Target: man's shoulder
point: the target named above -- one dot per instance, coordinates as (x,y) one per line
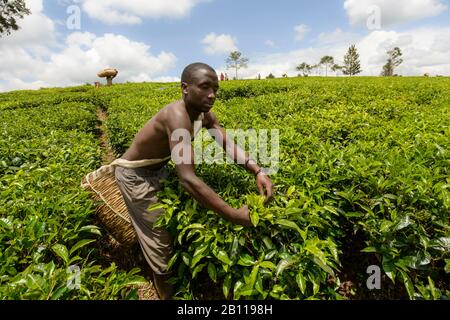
(174,115)
(173,107)
(172,110)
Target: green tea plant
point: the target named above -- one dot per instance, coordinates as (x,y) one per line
(364,165)
(46,220)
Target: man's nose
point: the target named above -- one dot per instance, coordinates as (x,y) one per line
(212,95)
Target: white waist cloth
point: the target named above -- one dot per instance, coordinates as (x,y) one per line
(138,163)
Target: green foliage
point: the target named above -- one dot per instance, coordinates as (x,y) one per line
(393,61)
(10,11)
(328,61)
(338,166)
(46,223)
(304,68)
(352,65)
(236,61)
(358,156)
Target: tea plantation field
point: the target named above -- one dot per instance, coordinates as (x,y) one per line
(363,185)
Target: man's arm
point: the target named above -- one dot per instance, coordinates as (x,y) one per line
(183,157)
(239,156)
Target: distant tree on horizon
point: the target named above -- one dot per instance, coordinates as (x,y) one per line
(316,67)
(304,68)
(10,11)
(352,65)
(393,61)
(327,61)
(336,68)
(236,61)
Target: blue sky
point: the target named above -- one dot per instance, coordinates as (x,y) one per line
(252,22)
(152,40)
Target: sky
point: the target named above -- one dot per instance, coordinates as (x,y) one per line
(67,42)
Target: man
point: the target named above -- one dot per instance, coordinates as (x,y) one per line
(199,83)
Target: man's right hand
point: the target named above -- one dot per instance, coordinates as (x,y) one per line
(242,216)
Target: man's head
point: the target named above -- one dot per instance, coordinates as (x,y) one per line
(199,83)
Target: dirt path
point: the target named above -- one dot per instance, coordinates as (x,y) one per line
(110,249)
(107,155)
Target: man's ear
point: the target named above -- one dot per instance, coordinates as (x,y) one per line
(184,86)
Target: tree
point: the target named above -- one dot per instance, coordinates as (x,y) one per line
(304,68)
(10,10)
(327,61)
(236,61)
(270,76)
(352,65)
(336,68)
(393,61)
(316,67)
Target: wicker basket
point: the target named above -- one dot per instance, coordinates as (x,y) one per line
(111,210)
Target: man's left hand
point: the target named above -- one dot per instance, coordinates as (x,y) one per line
(265,186)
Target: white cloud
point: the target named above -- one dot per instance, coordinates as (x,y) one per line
(32,58)
(167,79)
(301,31)
(422,52)
(425,50)
(18,84)
(22,51)
(337,36)
(131,11)
(219,44)
(18,63)
(84,55)
(392,12)
(36,30)
(270,43)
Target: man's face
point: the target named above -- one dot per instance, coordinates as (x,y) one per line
(201,92)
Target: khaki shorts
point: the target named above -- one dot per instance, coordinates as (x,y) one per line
(139,187)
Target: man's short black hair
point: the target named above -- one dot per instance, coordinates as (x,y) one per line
(186,76)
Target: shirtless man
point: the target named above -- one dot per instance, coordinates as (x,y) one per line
(199,83)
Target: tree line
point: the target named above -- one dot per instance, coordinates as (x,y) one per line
(350,67)
(352,64)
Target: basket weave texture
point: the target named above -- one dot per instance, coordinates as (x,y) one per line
(111,209)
